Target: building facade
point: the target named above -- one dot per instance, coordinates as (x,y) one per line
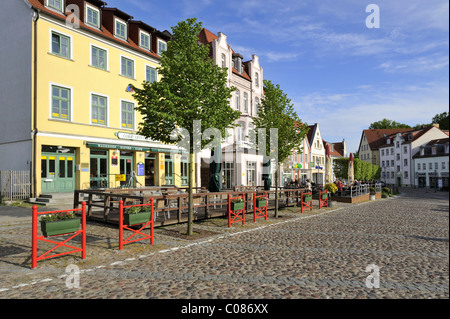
(432,164)
(396,154)
(317,155)
(73,124)
(241,165)
(370,142)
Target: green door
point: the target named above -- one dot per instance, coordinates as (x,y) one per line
(99,169)
(126,166)
(57,173)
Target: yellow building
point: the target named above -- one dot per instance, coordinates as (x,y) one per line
(83,123)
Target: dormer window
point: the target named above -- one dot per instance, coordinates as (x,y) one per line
(388,141)
(162,46)
(55,4)
(144,40)
(422,151)
(238,64)
(92,16)
(120,29)
(433,150)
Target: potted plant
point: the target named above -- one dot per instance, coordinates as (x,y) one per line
(237,204)
(136,215)
(59,224)
(331,188)
(372,193)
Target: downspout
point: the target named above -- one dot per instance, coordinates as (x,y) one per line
(35,130)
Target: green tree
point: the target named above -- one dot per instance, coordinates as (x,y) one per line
(192,88)
(277,112)
(441,119)
(386,124)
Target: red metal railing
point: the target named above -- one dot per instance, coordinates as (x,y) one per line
(259,212)
(305,205)
(136,232)
(35,258)
(235,216)
(323,202)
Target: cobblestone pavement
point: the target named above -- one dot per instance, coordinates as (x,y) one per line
(319,254)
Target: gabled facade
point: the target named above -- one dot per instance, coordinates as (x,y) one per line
(73,124)
(241,166)
(396,154)
(317,154)
(432,164)
(370,142)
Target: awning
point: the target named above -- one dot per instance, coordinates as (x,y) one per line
(118,147)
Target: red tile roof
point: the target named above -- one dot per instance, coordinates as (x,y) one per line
(376,137)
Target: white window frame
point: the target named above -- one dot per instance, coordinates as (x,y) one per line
(50,95)
(158,42)
(86,16)
(134,115)
(53,8)
(237,100)
(149,40)
(134,67)
(125,29)
(50,47)
(153,67)
(107,109)
(107,57)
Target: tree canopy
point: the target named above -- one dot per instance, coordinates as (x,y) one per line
(387,124)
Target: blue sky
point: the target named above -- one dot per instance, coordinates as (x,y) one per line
(336,71)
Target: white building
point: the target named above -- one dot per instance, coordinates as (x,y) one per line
(396,154)
(432,164)
(317,155)
(241,166)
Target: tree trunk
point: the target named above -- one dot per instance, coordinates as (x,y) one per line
(276,191)
(191,192)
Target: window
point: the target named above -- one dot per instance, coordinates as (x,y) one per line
(435,165)
(224,61)
(245,102)
(99,109)
(382,164)
(405,174)
(99,58)
(60,45)
(238,106)
(405,162)
(145,40)
(418,166)
(392,163)
(405,149)
(392,174)
(430,166)
(256,105)
(55,4)
(443,165)
(424,166)
(121,30)
(127,67)
(92,17)
(397,144)
(398,157)
(392,151)
(387,163)
(240,131)
(162,46)
(257,79)
(60,103)
(151,74)
(127,115)
(382,152)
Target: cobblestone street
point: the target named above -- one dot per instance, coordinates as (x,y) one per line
(320,254)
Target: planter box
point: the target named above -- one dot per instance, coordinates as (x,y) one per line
(372,197)
(324,196)
(237,206)
(60,227)
(307,198)
(261,203)
(133,219)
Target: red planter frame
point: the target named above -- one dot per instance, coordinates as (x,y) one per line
(136,232)
(237,215)
(35,258)
(323,202)
(306,205)
(259,212)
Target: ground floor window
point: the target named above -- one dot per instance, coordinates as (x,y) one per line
(251,173)
(168,164)
(184,170)
(228,175)
(99,168)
